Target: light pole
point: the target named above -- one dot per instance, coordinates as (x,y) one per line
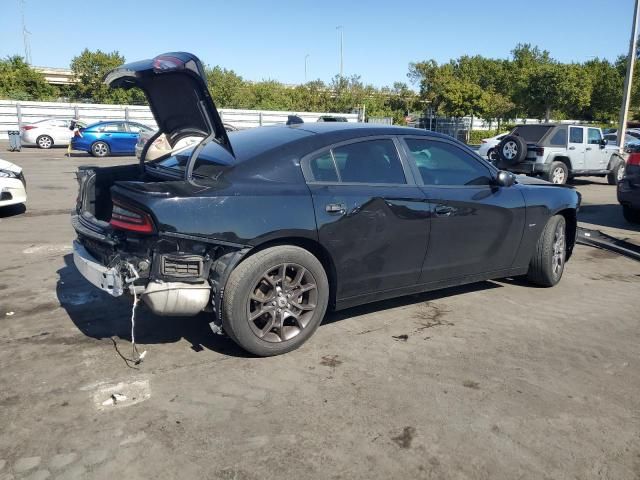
(341,29)
(631,60)
(306,57)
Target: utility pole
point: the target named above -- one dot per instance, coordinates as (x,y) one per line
(341,29)
(306,57)
(628,79)
(25,34)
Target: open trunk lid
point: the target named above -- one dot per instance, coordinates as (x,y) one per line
(176,88)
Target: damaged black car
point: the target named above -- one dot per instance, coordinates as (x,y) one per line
(267,228)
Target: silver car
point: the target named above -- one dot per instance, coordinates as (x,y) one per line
(47,133)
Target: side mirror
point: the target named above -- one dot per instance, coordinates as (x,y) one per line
(505,179)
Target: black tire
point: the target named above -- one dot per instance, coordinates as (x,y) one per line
(631,215)
(616,173)
(100,149)
(44,141)
(512,150)
(492,155)
(545,269)
(558,173)
(242,287)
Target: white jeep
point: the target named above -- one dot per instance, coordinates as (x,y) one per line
(559,152)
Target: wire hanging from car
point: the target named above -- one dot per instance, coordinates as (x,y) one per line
(137,356)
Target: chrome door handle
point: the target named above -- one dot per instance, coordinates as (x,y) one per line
(444,210)
(572,148)
(335,208)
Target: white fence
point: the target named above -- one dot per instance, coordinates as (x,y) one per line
(13,114)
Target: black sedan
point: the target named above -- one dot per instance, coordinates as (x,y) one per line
(267,228)
(629,187)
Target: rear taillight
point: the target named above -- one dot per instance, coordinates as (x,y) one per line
(540,151)
(130,218)
(634,159)
(28,127)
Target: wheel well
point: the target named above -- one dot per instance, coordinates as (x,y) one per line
(571,218)
(45,135)
(564,160)
(316,250)
(614,158)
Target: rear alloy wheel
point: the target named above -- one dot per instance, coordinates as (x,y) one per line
(275,300)
(99,149)
(558,173)
(547,264)
(44,141)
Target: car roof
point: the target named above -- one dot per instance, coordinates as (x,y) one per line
(357,129)
(306,137)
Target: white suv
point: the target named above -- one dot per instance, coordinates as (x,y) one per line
(559,152)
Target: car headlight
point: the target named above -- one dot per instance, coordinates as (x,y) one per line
(7,174)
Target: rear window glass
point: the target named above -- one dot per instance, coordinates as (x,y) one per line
(559,138)
(531,133)
(246,144)
(209,164)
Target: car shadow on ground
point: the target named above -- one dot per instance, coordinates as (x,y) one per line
(609,215)
(98,315)
(12,210)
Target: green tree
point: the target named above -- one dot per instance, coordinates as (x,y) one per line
(558,88)
(18,81)
(89,69)
(606,93)
(227,88)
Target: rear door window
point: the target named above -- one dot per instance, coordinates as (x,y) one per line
(323,168)
(370,161)
(576,135)
(113,127)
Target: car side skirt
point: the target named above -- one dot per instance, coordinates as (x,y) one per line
(427,287)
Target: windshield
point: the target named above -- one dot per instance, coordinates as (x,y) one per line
(531,133)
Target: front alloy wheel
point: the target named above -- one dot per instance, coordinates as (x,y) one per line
(548,259)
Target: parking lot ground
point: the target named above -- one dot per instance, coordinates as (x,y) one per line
(496,380)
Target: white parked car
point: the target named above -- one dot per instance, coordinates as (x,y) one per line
(13,187)
(488,145)
(47,133)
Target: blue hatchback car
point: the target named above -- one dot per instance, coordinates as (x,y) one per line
(105,138)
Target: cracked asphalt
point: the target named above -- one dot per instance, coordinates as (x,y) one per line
(497,380)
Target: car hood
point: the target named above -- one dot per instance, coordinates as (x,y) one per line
(176,89)
(11,167)
(526,180)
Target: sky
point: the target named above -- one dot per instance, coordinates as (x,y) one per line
(270,39)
